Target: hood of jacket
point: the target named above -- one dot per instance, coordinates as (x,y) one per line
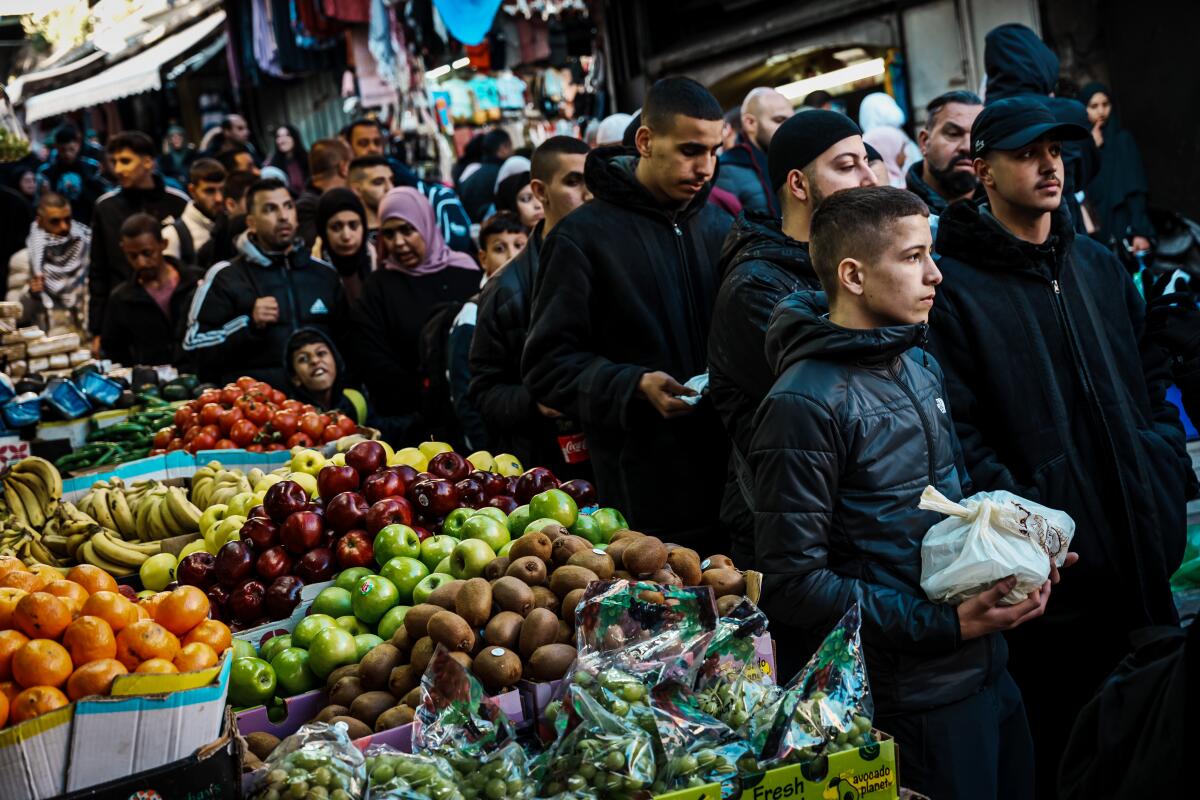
(1018,62)
(609,174)
(757,236)
(970,234)
(339,363)
(800,329)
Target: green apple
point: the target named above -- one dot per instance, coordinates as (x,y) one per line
(481,459)
(366,642)
(198,545)
(348,578)
(555,504)
(452,525)
(517,520)
(390,622)
(266,482)
(157,571)
(588,528)
(431,449)
(375,595)
(251,682)
(405,574)
(292,673)
(337,459)
(486,529)
(435,548)
(333,601)
(610,521)
(227,530)
(396,540)
(443,566)
(430,582)
(507,465)
(493,512)
(353,624)
(211,516)
(331,648)
(470,557)
(243,649)
(503,551)
(307,629)
(241,504)
(307,482)
(273,645)
(540,523)
(307,461)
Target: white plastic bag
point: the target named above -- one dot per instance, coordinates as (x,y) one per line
(986,538)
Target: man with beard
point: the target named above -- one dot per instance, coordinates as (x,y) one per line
(54,266)
(947,173)
(744,166)
(246,309)
(143,322)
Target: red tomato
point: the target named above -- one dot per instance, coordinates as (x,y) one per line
(210,414)
(292,404)
(273,446)
(256,412)
(348,425)
(204,441)
(308,409)
(190,434)
(255,448)
(299,440)
(278,397)
(245,382)
(243,432)
(176,444)
(312,426)
(228,417)
(285,423)
(230,395)
(184,417)
(208,396)
(163,437)
(331,434)
(212,430)
(224,444)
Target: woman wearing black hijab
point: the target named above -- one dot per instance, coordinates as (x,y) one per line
(342,239)
(1116,197)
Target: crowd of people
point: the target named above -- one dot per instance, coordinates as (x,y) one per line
(764,331)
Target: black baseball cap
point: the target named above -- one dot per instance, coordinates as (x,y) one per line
(1014,122)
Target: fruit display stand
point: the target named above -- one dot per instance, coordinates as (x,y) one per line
(867,773)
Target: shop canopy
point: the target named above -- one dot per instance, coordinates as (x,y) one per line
(140,73)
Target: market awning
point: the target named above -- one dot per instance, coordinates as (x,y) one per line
(140,73)
(16,89)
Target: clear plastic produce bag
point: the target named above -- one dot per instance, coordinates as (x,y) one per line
(394,775)
(317,761)
(986,538)
(456,717)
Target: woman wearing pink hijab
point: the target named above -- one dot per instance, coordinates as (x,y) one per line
(418,274)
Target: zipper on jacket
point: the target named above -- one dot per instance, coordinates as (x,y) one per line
(291,294)
(895,375)
(693,314)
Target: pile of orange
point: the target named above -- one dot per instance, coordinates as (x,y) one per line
(67,637)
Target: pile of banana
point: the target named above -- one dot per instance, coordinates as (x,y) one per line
(32,494)
(145,510)
(73,536)
(213,484)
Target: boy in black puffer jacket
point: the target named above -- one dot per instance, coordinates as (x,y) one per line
(855,427)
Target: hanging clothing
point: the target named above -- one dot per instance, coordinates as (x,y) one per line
(352,11)
(1117,195)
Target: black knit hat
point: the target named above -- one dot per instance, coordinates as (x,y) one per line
(334,201)
(803,137)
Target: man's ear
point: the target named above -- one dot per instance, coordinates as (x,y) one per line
(539,191)
(797,183)
(923,140)
(983,171)
(644,140)
(850,277)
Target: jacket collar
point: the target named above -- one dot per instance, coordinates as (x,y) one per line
(193,217)
(971,234)
(759,236)
(920,187)
(609,174)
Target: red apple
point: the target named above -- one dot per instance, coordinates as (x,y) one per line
(234,563)
(246,601)
(260,532)
(366,457)
(272,563)
(284,499)
(346,511)
(581,491)
(436,497)
(387,511)
(510,485)
(503,502)
(301,532)
(470,492)
(407,473)
(332,480)
(218,602)
(422,532)
(316,566)
(355,550)
(493,484)
(256,512)
(535,481)
(127,592)
(283,596)
(450,466)
(197,570)
(384,483)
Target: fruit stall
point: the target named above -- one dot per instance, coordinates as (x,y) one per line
(353,621)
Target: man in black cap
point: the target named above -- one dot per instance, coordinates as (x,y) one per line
(1038,331)
(812,155)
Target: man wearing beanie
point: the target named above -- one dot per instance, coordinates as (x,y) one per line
(812,155)
(621,315)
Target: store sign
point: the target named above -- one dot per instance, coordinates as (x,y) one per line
(868,773)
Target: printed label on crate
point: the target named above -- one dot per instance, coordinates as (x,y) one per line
(12,449)
(868,773)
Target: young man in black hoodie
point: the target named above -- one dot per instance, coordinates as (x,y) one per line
(812,155)
(853,430)
(621,316)
(1040,333)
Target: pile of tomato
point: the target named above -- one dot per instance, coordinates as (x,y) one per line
(250,415)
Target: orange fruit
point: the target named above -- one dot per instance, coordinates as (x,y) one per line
(46,572)
(26,581)
(142,613)
(3,711)
(151,603)
(10,563)
(41,615)
(89,639)
(144,640)
(213,633)
(182,610)
(111,607)
(10,690)
(157,666)
(194,656)
(92,578)
(41,662)
(94,678)
(8,601)
(35,701)
(67,590)
(10,643)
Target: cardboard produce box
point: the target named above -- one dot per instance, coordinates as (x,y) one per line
(868,773)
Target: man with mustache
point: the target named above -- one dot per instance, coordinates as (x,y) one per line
(1039,333)
(947,172)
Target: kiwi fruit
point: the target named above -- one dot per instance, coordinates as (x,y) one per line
(496,567)
(261,744)
(724,581)
(345,690)
(717,562)
(616,551)
(625,533)
(534,543)
(530,569)
(504,630)
(666,576)
(511,594)
(474,602)
(402,641)
(394,717)
(568,577)
(614,638)
(251,762)
(355,729)
(416,621)
(555,531)
(369,705)
(550,662)
(686,564)
(403,680)
(544,598)
(567,546)
(565,634)
(540,627)
(422,654)
(726,604)
(444,596)
(413,698)
(329,712)
(348,671)
(451,631)
(497,668)
(463,659)
(596,560)
(645,556)
(569,604)
(378,664)
(622,574)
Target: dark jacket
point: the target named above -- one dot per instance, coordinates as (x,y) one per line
(761,265)
(222,244)
(625,288)
(220,331)
(109,266)
(478,191)
(1053,401)
(306,213)
(744,175)
(917,185)
(855,427)
(79,182)
(448,210)
(135,329)
(458,376)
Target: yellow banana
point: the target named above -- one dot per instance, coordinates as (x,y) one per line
(186,515)
(74,542)
(141,518)
(47,472)
(33,511)
(118,508)
(88,553)
(55,543)
(111,550)
(41,554)
(36,486)
(158,526)
(100,508)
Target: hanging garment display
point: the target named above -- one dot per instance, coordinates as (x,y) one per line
(373,90)
(313,29)
(468,20)
(487,96)
(349,11)
(266,50)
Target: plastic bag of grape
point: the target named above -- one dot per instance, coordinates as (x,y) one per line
(697,748)
(827,707)
(319,762)
(393,775)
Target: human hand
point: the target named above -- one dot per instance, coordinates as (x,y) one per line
(1068,561)
(983,614)
(36,284)
(1098,135)
(547,411)
(664,392)
(95,346)
(1139,244)
(266,311)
